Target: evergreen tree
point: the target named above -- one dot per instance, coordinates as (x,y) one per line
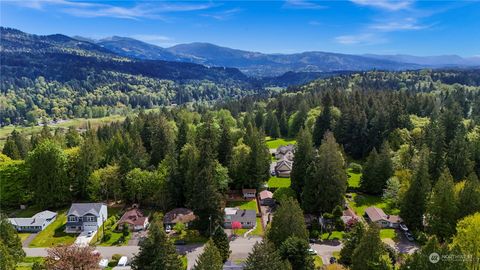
(323,122)
(11,251)
(370,253)
(265,256)
(220,239)
(326,184)
(469,197)
(162,140)
(304,155)
(435,136)
(88,160)
(413,206)
(377,171)
(295,250)
(187,171)
(10,149)
(225,147)
(458,156)
(48,173)
(351,241)
(283,124)
(288,221)
(441,211)
(275,127)
(467,238)
(298,120)
(210,259)
(157,251)
(238,168)
(258,169)
(182,136)
(72,137)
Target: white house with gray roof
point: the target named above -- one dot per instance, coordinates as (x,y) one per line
(86,217)
(247,218)
(36,223)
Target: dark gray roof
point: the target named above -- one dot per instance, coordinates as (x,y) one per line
(81,209)
(242,216)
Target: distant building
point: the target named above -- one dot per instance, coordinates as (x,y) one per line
(86,217)
(36,223)
(377,216)
(285,152)
(177,215)
(248,218)
(266,198)
(134,220)
(283,168)
(249,193)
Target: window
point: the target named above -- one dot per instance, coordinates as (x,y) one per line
(89,219)
(72,218)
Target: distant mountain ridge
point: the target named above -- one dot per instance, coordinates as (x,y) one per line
(266,65)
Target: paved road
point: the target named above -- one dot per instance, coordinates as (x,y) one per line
(240,247)
(29,239)
(325,251)
(106,252)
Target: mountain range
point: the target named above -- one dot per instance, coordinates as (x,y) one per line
(258,64)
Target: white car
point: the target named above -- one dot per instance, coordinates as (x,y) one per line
(312,251)
(89,233)
(123,261)
(403,227)
(168,229)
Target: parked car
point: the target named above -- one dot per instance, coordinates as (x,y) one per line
(103,263)
(123,261)
(409,236)
(403,227)
(168,229)
(333,260)
(312,240)
(312,251)
(89,233)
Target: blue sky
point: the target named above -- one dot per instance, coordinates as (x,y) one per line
(356,26)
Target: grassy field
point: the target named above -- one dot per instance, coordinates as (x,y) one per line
(184,262)
(115,236)
(274,144)
(278,182)
(76,122)
(354,179)
(54,234)
(190,237)
(244,205)
(360,202)
(388,233)
(258,229)
(318,262)
(335,235)
(28,262)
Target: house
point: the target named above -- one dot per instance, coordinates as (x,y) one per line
(285,152)
(134,220)
(36,223)
(266,198)
(249,193)
(376,215)
(248,218)
(283,168)
(85,217)
(177,215)
(349,218)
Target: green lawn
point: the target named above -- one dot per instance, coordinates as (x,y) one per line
(244,205)
(115,236)
(28,262)
(258,229)
(274,144)
(335,235)
(278,182)
(184,262)
(115,211)
(190,237)
(54,234)
(354,179)
(318,261)
(388,233)
(360,202)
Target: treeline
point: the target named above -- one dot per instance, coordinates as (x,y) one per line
(164,160)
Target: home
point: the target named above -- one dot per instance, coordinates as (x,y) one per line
(249,193)
(349,217)
(36,223)
(179,215)
(134,220)
(247,218)
(85,217)
(377,216)
(283,168)
(266,198)
(285,152)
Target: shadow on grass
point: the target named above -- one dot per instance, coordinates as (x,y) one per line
(60,231)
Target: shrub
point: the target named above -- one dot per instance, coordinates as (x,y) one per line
(283,193)
(314,234)
(355,167)
(107,236)
(125,231)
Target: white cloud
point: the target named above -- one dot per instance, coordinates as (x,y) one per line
(391,5)
(360,39)
(223,15)
(90,9)
(399,25)
(302,4)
